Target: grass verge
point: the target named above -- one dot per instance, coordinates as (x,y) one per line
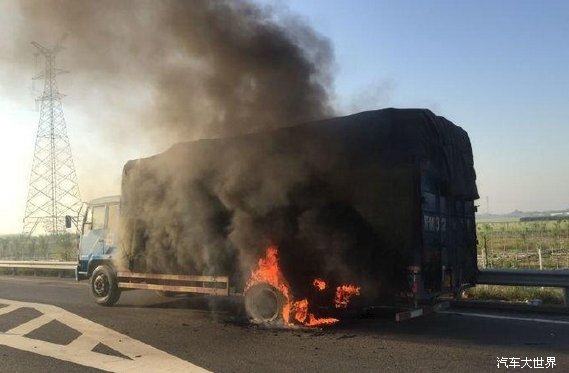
(515,293)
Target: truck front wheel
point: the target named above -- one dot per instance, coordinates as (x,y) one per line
(104,286)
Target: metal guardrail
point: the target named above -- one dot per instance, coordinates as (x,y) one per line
(527,277)
(33,264)
(524,277)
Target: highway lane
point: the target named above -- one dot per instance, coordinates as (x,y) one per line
(205,334)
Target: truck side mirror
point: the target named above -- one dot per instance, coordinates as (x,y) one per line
(67,221)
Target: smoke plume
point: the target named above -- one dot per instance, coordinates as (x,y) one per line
(189,69)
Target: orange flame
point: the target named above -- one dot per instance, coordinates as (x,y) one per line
(319,283)
(268,271)
(308,319)
(301,310)
(343,295)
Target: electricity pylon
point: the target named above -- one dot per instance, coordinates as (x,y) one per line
(53,192)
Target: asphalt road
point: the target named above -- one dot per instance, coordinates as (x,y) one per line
(189,334)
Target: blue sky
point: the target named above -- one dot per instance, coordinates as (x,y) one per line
(500,69)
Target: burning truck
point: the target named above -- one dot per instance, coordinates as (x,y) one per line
(303,221)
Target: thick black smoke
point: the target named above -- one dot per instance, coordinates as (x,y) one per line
(214,206)
(329,194)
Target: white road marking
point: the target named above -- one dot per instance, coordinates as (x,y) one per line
(500,317)
(8,309)
(84,342)
(144,358)
(31,325)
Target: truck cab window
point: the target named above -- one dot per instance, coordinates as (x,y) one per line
(113,220)
(98,217)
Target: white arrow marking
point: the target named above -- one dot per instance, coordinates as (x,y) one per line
(499,317)
(145,358)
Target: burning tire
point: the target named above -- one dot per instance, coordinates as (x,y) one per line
(264,304)
(104,286)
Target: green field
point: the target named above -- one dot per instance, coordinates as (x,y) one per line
(519,244)
(515,244)
(515,293)
(60,247)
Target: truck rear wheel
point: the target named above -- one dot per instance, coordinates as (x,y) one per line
(104,286)
(264,304)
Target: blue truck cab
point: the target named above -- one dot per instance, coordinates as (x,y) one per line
(98,243)
(99,235)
